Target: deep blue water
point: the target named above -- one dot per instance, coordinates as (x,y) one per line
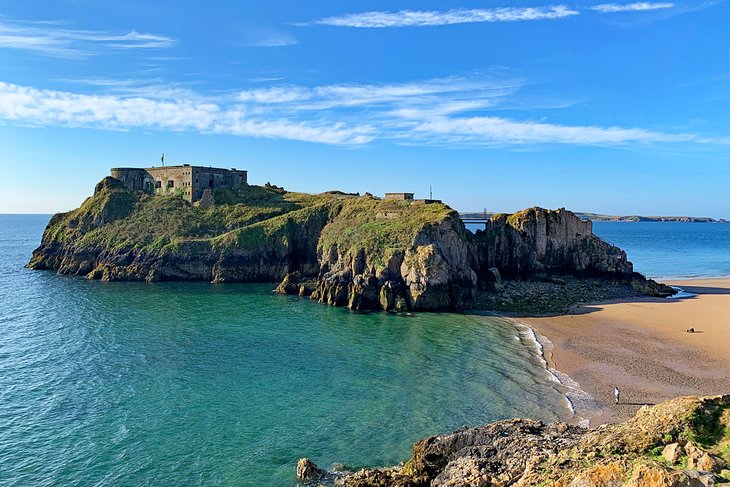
(672,249)
(175,384)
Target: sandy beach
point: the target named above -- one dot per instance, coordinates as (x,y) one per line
(642,346)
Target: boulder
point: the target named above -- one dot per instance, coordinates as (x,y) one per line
(658,476)
(308,472)
(710,463)
(672,452)
(462,472)
(608,475)
(700,479)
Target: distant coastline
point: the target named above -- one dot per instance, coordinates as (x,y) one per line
(597,217)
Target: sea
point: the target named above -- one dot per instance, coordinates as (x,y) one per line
(177,384)
(666,250)
(162,384)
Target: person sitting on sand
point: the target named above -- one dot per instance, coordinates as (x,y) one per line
(691,329)
(617,394)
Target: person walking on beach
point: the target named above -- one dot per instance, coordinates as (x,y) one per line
(617,394)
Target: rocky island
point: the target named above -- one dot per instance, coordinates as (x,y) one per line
(362,252)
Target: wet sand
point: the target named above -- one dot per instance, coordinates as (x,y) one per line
(642,346)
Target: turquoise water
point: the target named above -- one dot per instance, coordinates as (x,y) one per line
(199,384)
(672,249)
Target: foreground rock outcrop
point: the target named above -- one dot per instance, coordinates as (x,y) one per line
(683,442)
(339,249)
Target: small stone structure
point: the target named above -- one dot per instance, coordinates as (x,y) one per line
(185,180)
(409,197)
(399,196)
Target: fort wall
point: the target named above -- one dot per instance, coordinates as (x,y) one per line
(186,181)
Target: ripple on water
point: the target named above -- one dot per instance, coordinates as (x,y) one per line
(191,383)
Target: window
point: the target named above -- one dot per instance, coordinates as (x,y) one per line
(170,183)
(158,184)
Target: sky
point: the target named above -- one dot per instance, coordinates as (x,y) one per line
(617,108)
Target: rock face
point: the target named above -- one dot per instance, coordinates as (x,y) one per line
(340,249)
(523,452)
(435,271)
(539,241)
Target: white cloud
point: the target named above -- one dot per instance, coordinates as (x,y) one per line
(28,105)
(420,18)
(50,39)
(408,18)
(488,130)
(631,7)
(278,94)
(450,111)
(353,95)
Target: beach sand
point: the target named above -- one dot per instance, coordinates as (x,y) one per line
(641,345)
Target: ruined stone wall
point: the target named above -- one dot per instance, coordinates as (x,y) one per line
(173,180)
(214,178)
(133,178)
(186,181)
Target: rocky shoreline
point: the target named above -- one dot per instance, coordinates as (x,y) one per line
(682,442)
(344,250)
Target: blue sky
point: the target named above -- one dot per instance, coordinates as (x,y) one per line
(615,107)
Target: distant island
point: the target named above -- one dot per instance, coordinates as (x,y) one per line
(636,218)
(395,253)
(597,217)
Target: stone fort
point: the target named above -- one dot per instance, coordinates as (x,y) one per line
(187,181)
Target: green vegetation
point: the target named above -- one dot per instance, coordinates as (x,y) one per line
(704,426)
(116,218)
(122,223)
(380,227)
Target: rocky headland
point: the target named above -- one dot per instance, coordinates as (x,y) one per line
(682,442)
(362,252)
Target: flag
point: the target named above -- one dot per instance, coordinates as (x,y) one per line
(162,158)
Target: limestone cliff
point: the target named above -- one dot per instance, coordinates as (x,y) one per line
(340,249)
(683,442)
(540,242)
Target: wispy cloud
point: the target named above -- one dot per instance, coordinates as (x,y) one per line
(274,39)
(51,39)
(454,112)
(421,18)
(259,36)
(490,130)
(408,18)
(29,105)
(482,91)
(631,7)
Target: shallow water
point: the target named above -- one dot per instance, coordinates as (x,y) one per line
(200,384)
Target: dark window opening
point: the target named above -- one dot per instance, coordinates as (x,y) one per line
(170,183)
(158,184)
(210,183)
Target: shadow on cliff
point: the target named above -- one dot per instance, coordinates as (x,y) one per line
(595,306)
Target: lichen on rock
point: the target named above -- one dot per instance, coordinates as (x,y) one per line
(525,453)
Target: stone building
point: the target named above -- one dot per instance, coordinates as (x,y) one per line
(399,196)
(409,197)
(186,180)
